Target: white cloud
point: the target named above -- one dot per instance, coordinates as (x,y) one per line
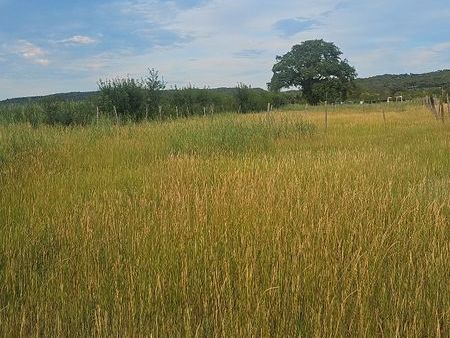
(430,57)
(31,52)
(79,40)
(224,33)
(42,62)
(219,32)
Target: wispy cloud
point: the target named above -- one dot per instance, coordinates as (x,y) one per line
(248,53)
(154,11)
(437,53)
(31,52)
(289,27)
(79,40)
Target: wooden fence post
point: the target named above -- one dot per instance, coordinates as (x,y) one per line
(146,112)
(115,114)
(160,112)
(433,107)
(98,114)
(326,117)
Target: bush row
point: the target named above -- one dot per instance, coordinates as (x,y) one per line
(128,101)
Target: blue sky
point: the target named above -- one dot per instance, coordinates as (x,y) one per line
(57,46)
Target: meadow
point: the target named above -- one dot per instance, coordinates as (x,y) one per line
(232,225)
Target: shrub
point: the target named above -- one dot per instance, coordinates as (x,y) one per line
(131,98)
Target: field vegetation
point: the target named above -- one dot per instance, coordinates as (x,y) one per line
(127,100)
(231,225)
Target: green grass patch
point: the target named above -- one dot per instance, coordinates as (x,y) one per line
(229,136)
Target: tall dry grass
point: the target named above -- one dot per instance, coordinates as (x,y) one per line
(228,226)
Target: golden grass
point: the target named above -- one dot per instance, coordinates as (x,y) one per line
(232,225)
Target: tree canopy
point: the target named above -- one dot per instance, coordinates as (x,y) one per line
(317,68)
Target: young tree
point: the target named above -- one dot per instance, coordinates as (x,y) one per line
(126,95)
(153,87)
(316,67)
(243,99)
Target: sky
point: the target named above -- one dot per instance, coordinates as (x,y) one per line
(59,46)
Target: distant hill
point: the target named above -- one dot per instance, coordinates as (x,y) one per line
(72,96)
(410,85)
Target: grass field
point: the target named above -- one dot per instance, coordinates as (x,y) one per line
(228,226)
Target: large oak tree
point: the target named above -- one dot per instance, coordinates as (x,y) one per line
(316,67)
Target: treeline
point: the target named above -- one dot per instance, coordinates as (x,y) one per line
(134,100)
(146,98)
